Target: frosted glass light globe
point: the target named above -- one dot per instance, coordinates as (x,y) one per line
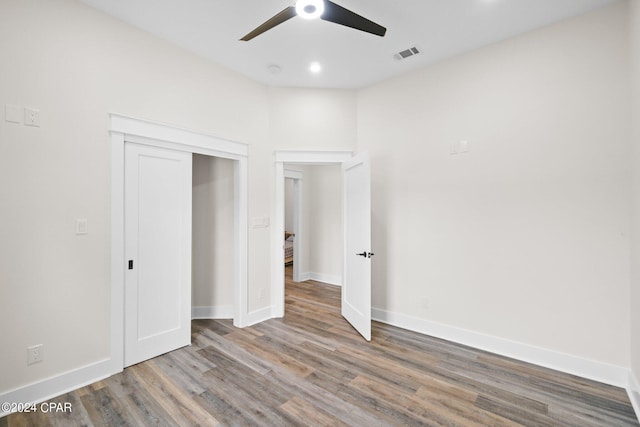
(309,9)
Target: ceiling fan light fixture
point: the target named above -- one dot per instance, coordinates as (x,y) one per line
(315,67)
(325,9)
(310,9)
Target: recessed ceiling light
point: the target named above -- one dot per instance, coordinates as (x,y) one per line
(315,67)
(309,9)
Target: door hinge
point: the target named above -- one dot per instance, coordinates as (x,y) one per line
(130,264)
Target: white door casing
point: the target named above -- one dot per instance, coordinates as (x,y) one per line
(277,254)
(125,129)
(297,177)
(356,295)
(356,205)
(158,251)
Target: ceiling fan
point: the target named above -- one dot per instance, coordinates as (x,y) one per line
(323,9)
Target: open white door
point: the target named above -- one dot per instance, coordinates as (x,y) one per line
(158,251)
(356,204)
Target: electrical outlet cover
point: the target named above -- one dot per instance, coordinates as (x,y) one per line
(35,354)
(31,117)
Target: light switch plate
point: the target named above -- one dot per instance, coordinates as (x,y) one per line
(458,147)
(260,222)
(464,147)
(82,226)
(13,113)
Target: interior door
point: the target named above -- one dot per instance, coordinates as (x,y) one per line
(158,251)
(356,204)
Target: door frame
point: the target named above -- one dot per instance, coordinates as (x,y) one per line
(297,177)
(277,253)
(125,129)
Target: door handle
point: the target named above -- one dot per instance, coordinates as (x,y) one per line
(366,254)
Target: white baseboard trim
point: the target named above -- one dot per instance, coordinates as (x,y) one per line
(214,312)
(590,369)
(258,316)
(633,389)
(57,385)
(610,374)
(321,277)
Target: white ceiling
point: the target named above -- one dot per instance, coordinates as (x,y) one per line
(350,58)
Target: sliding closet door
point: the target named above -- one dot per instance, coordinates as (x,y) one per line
(158,250)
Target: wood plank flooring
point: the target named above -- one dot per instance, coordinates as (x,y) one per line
(311,368)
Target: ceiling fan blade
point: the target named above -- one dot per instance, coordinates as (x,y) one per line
(285,15)
(340,15)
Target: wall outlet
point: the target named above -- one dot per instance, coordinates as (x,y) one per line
(35,354)
(31,117)
(261,293)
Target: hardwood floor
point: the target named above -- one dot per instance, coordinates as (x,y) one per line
(311,368)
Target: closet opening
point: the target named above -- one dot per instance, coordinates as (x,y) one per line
(212,238)
(128,132)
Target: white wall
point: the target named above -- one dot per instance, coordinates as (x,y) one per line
(634,15)
(323,194)
(526,236)
(213,240)
(77,65)
(312,119)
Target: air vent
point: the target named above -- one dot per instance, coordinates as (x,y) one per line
(407,53)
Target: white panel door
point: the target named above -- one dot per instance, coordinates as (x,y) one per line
(356,287)
(158,251)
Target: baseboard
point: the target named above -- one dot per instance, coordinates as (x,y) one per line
(633,389)
(214,312)
(321,277)
(258,316)
(606,373)
(57,385)
(590,369)
(305,276)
